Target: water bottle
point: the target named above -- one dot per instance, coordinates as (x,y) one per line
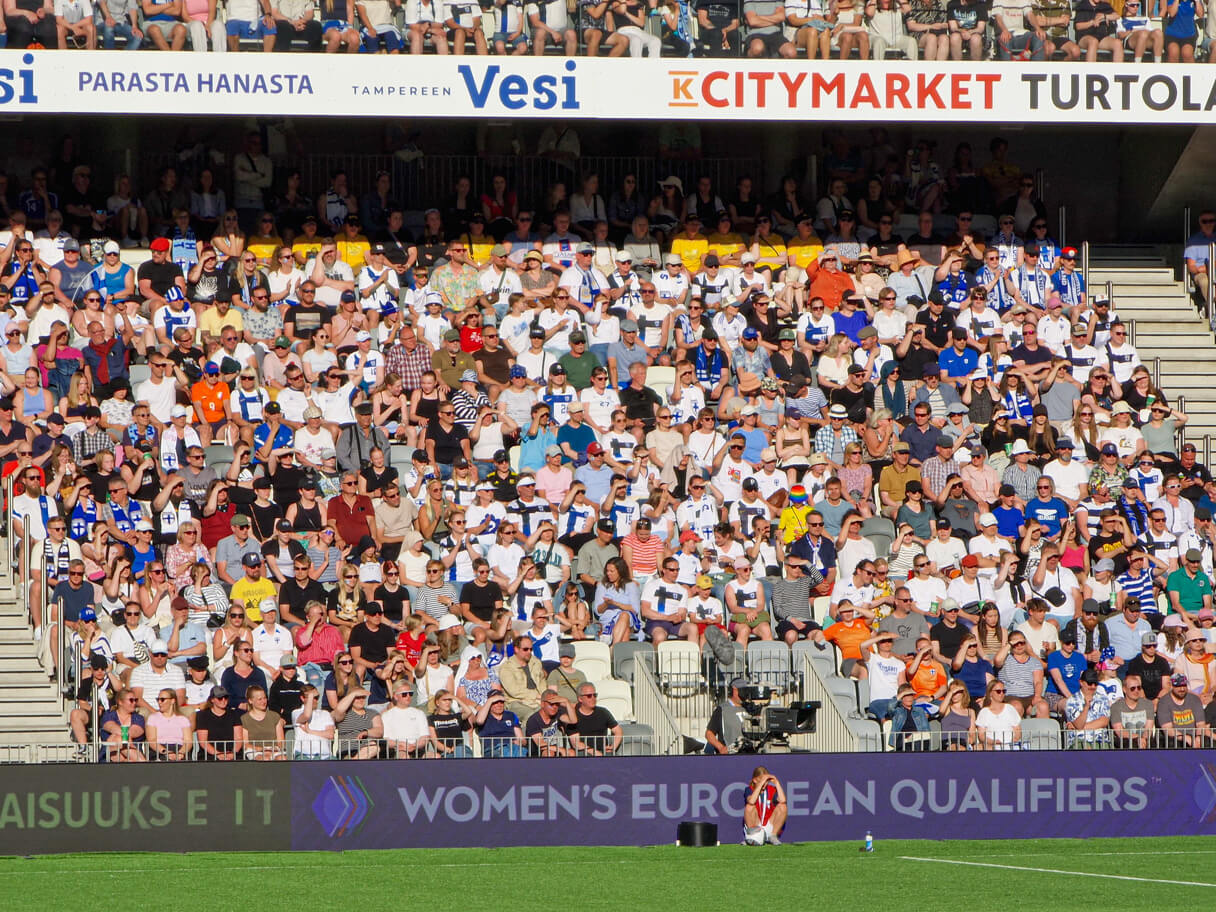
(126,733)
(869,841)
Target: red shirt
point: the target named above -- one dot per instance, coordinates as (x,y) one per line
(326,643)
(350,520)
(470,338)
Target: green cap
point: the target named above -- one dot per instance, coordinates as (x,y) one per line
(452,335)
(282,342)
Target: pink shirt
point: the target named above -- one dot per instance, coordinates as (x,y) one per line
(553,485)
(169,729)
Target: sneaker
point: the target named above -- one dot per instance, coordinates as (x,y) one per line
(37,635)
(773,840)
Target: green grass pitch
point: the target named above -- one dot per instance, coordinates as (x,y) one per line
(1163,873)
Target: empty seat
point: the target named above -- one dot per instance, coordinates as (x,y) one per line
(219,452)
(138,374)
(769,663)
(513,455)
(820,658)
(626,655)
(1040,734)
(593,659)
(638,740)
(616,697)
(679,665)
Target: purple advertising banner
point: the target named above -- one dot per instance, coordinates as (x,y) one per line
(640,801)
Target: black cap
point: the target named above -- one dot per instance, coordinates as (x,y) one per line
(606,525)
(1007,490)
(98,662)
(363,408)
(709,333)
(282,526)
(501,456)
(935,297)
(373,608)
(199,663)
(272,408)
(1068,636)
(537,333)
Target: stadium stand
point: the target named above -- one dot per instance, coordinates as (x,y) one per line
(286,479)
(931,30)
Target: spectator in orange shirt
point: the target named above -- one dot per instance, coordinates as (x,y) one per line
(210,399)
(827,279)
(926,674)
(848,633)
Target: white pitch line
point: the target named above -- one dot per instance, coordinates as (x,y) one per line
(983,864)
(1095,854)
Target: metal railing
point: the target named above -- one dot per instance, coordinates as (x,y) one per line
(1062,225)
(1084,264)
(6,565)
(650,708)
(428,180)
(832,731)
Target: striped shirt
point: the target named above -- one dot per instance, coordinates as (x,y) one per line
(1018,677)
(645,554)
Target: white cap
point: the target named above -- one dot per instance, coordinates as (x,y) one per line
(268,604)
(143,526)
(159,647)
(1020,448)
(111,247)
(768,454)
(448,621)
(986,519)
(363,336)
(178,411)
(748,257)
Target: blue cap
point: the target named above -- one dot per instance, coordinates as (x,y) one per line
(211,368)
(88,614)
(518,371)
(750,333)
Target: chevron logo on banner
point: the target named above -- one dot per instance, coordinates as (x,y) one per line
(341,805)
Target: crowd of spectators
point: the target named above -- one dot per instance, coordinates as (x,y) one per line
(911,29)
(372,489)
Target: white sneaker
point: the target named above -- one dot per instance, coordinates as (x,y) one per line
(37,635)
(773,840)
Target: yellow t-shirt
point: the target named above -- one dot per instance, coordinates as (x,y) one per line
(263,247)
(479,249)
(251,593)
(353,252)
(725,245)
(805,252)
(691,250)
(792,524)
(303,248)
(772,252)
(212,323)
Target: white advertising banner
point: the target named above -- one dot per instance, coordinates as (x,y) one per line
(297,84)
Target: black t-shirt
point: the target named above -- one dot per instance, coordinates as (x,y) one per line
(949,639)
(1194,493)
(937,329)
(263,519)
(481,599)
(378,479)
(1041,355)
(639,404)
(856,402)
(287,696)
(285,481)
(374,643)
(307,319)
(913,364)
(596,724)
(504,485)
(1100,546)
(161,275)
(295,598)
(84,693)
(447,443)
(220,728)
(449,728)
(1152,674)
(393,603)
(552,731)
(967,15)
(888,247)
(190,361)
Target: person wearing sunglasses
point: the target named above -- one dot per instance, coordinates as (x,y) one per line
(131,642)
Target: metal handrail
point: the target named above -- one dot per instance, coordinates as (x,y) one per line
(1084,264)
(1210,272)
(651,709)
(832,732)
(1180,434)
(1157,372)
(6,565)
(1186,224)
(1062,224)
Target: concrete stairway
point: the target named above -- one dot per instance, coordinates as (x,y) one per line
(1170,334)
(30,710)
